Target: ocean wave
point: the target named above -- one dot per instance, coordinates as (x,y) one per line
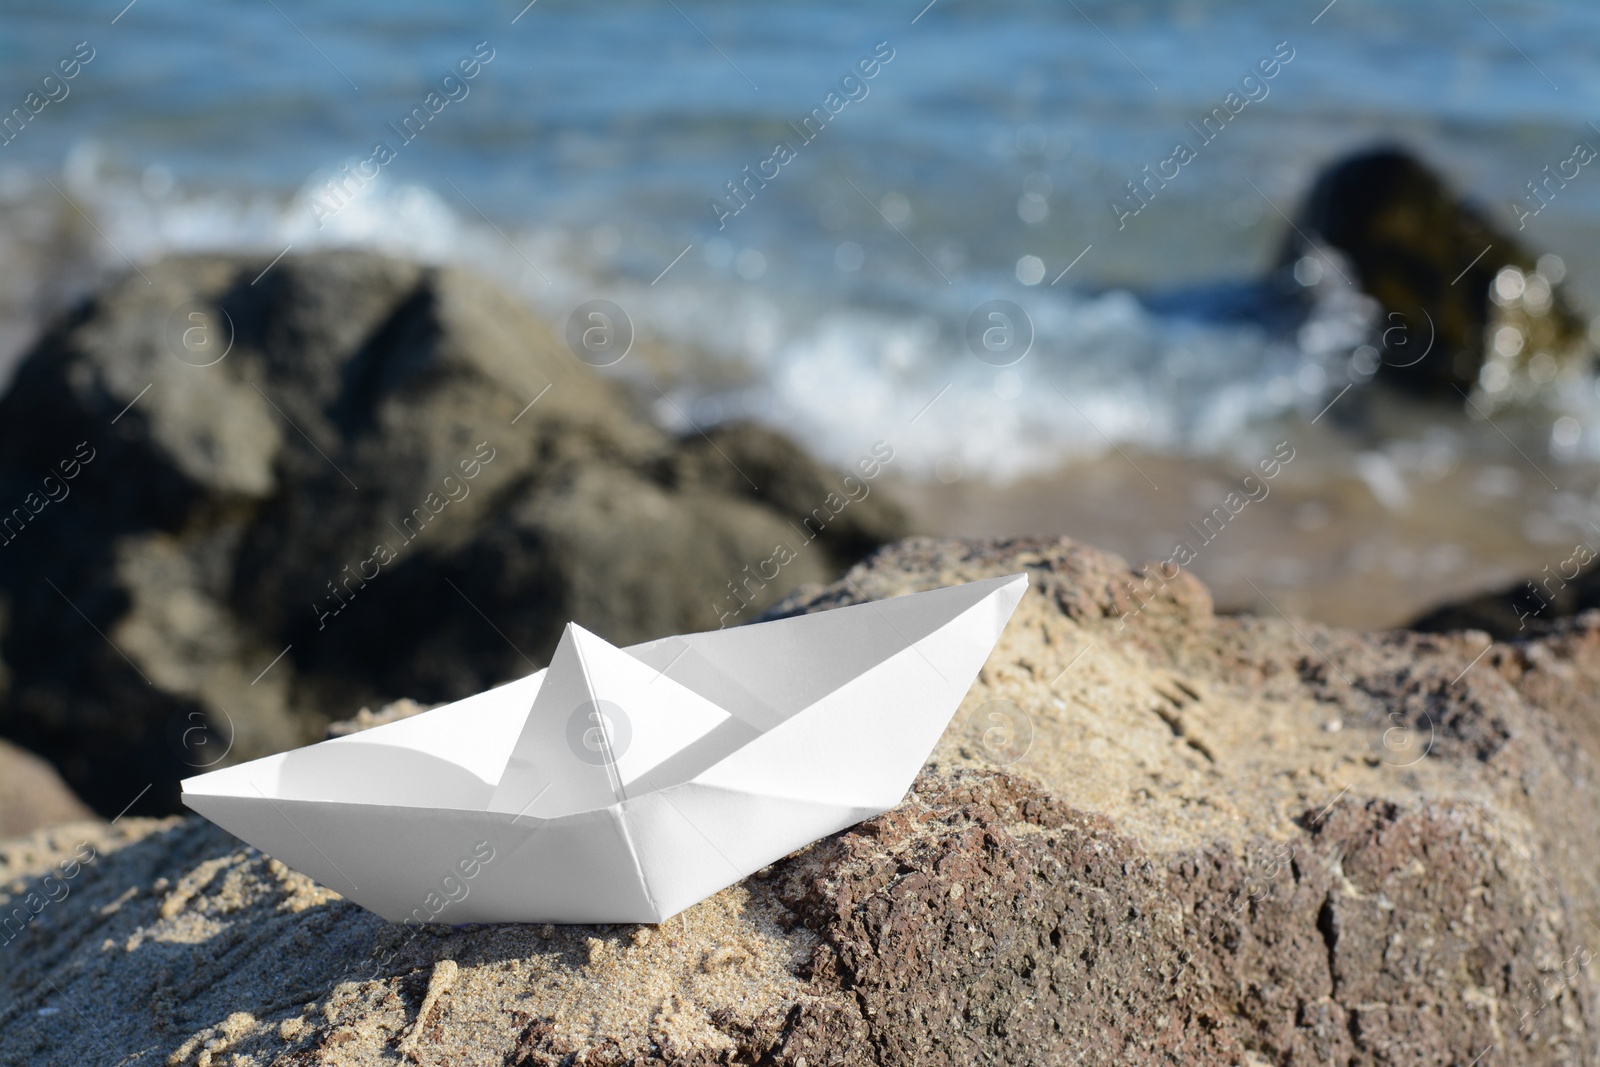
(1106,370)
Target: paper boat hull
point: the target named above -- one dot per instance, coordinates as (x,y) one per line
(457,867)
(395,818)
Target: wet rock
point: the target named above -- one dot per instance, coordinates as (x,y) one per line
(1457,292)
(1138,842)
(238,505)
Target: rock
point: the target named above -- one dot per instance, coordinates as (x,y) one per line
(366,718)
(1432,261)
(1531,607)
(32,794)
(240,507)
(1150,835)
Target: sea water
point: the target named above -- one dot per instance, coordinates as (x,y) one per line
(607,151)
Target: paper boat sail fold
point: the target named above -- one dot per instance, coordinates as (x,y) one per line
(624,784)
(582,711)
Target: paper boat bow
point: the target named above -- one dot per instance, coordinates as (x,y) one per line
(624,785)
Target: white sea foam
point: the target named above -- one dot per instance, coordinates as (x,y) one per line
(1104,371)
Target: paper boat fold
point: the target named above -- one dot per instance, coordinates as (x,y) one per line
(624,784)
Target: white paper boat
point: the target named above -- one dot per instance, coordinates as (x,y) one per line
(624,785)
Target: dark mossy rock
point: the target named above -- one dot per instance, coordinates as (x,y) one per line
(1429,259)
(274,499)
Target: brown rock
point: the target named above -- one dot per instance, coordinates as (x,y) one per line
(1151,835)
(32,794)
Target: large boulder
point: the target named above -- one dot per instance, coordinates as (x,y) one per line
(1151,835)
(236,505)
(1435,263)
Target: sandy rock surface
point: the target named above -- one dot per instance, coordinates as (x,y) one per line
(1151,835)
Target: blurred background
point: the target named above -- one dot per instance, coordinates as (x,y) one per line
(1173,348)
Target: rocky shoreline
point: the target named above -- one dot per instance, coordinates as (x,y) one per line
(1165,836)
